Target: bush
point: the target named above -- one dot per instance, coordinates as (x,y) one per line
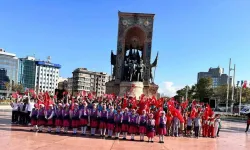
(5,102)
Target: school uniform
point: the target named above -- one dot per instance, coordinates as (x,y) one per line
(84,117)
(216,126)
(110,124)
(133,124)
(29,109)
(197,126)
(103,119)
(33,116)
(75,118)
(41,117)
(175,125)
(21,113)
(125,125)
(143,124)
(118,122)
(151,128)
(93,121)
(162,126)
(59,118)
(14,118)
(93,118)
(49,117)
(66,118)
(189,123)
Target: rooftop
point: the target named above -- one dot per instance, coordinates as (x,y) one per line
(2,52)
(85,70)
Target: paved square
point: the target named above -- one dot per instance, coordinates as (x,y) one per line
(232,137)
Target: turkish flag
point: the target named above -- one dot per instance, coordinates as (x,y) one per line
(90,96)
(244,84)
(83,93)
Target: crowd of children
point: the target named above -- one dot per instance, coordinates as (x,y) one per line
(108,117)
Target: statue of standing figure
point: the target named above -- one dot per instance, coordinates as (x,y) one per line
(132,69)
(126,69)
(140,71)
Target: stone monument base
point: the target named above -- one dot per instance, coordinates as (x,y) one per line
(131,89)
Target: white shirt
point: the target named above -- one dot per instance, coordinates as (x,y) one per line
(31,106)
(197,122)
(189,121)
(14,107)
(176,121)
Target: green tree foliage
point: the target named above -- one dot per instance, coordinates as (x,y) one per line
(191,92)
(204,88)
(18,88)
(7,86)
(220,92)
(245,95)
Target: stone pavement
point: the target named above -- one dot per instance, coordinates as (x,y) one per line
(232,137)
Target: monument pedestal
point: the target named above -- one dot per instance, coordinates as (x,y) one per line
(131,89)
(112,87)
(150,90)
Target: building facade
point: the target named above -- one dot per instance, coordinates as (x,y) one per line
(47,75)
(70,84)
(27,72)
(89,81)
(62,83)
(9,71)
(217,75)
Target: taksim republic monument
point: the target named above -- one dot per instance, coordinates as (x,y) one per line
(131,65)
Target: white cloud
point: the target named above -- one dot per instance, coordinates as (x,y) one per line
(168,88)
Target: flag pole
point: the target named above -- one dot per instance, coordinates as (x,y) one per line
(228,80)
(233,86)
(240,99)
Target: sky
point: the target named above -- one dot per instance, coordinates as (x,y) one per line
(190,35)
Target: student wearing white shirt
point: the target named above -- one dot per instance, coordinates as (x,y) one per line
(21,112)
(197,125)
(189,125)
(176,125)
(14,106)
(30,106)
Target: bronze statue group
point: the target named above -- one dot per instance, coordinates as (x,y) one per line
(110,116)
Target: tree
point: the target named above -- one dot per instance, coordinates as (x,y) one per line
(191,92)
(204,88)
(7,85)
(220,92)
(18,88)
(245,95)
